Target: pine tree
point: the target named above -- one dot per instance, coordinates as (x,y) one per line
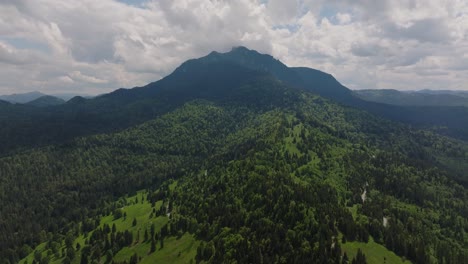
(134,259)
(152,230)
(153,245)
(345,259)
(360,258)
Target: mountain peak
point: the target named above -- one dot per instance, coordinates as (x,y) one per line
(244,51)
(303,78)
(237,52)
(240,48)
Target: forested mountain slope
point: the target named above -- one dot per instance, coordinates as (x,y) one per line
(31,127)
(25,126)
(448,120)
(265,173)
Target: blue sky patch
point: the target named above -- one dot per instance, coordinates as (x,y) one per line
(21,43)
(137,3)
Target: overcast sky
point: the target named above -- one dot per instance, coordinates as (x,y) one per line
(96,46)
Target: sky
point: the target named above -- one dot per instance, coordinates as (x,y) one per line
(94,47)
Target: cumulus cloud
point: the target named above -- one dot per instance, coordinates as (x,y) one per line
(281,13)
(77,75)
(424,30)
(9,55)
(97,46)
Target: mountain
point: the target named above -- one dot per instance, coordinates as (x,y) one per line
(216,72)
(46,100)
(300,77)
(448,120)
(68,96)
(25,98)
(121,108)
(223,161)
(413,98)
(21,98)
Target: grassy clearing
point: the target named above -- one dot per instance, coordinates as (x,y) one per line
(175,250)
(30,257)
(141,211)
(375,253)
(354,210)
(292,141)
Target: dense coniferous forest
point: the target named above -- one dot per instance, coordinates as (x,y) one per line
(241,165)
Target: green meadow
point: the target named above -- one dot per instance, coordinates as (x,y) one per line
(175,249)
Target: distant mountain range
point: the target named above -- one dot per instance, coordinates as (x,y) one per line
(415,98)
(47,100)
(22,98)
(452,92)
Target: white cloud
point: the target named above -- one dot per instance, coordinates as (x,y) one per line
(343,18)
(65,79)
(78,76)
(97,46)
(282,12)
(10,55)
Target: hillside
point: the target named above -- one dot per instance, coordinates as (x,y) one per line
(236,164)
(265,173)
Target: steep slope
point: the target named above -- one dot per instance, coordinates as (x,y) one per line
(305,78)
(325,85)
(444,119)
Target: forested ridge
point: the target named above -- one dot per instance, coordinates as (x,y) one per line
(26,126)
(254,171)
